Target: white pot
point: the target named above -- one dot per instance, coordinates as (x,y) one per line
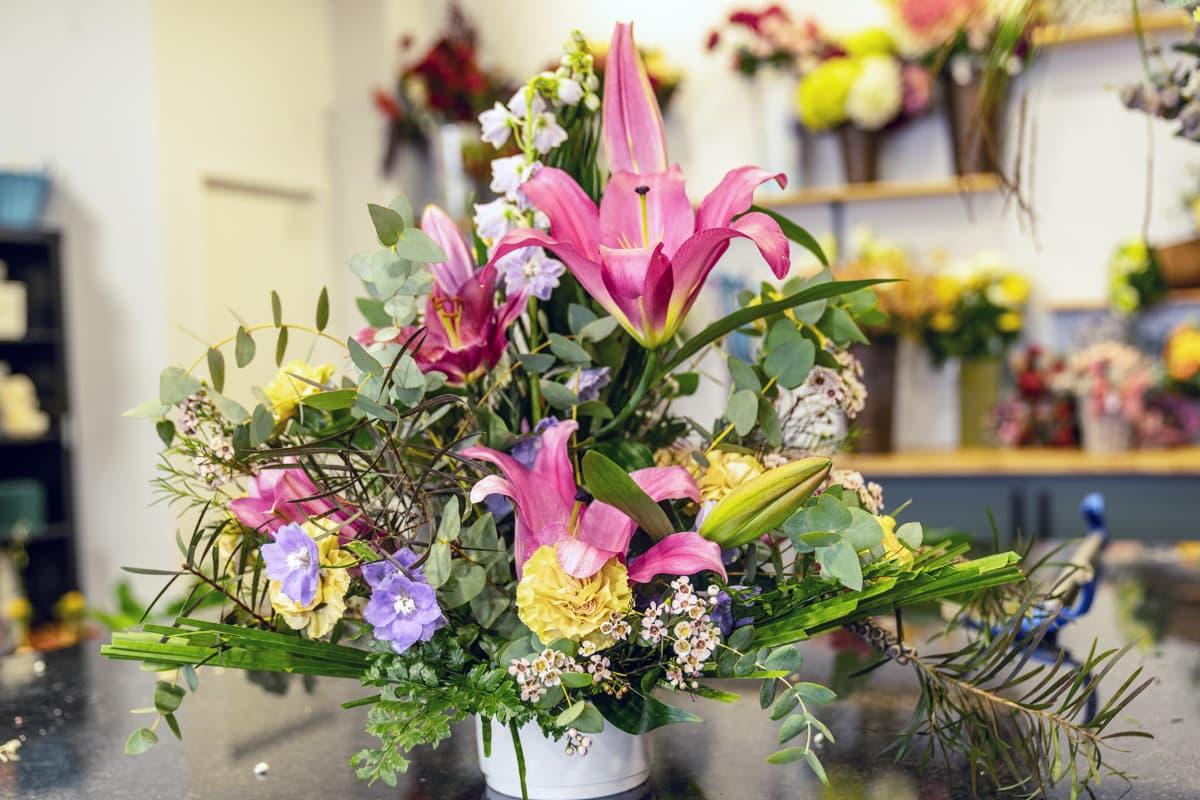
(616,762)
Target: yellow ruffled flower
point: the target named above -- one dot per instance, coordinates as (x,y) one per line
(285,391)
(329,601)
(556,605)
(725,471)
(1009,289)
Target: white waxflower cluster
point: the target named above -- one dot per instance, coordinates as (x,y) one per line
(578,743)
(870,494)
(531,118)
(816,415)
(212,449)
(538,674)
(685,621)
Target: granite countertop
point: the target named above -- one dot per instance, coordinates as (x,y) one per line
(71,707)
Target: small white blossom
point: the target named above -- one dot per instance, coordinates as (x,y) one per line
(493,220)
(518,105)
(496,123)
(569,91)
(509,173)
(547,133)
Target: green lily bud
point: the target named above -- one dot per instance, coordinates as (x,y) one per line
(761,505)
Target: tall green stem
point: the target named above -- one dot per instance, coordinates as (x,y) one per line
(639,391)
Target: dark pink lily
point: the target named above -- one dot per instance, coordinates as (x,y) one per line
(587,535)
(276,497)
(465,330)
(644,254)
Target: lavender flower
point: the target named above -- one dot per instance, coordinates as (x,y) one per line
(403,608)
(529,269)
(587,383)
(524,451)
(294,560)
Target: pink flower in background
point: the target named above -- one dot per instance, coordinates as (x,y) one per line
(917,86)
(466,332)
(644,254)
(934,22)
(279,496)
(587,535)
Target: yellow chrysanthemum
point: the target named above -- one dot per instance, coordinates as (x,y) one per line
(285,391)
(822,94)
(1010,321)
(555,605)
(869,42)
(946,289)
(1010,290)
(329,601)
(1183,354)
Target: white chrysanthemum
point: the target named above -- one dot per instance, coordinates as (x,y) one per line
(876,95)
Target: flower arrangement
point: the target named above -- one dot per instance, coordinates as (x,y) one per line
(1037,414)
(772,39)
(864,83)
(445,84)
(1109,379)
(1135,280)
(1169,91)
(485,506)
(900,301)
(968,37)
(978,316)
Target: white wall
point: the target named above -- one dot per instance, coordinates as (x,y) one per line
(77,89)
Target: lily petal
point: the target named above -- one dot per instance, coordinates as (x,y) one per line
(459,266)
(769,238)
(580,559)
(552,464)
(667,483)
(641,210)
(679,554)
(634,137)
(733,195)
(573,216)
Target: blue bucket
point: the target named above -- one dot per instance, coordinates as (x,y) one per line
(22,198)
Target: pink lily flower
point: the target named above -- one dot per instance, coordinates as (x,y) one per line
(465,330)
(585,536)
(644,254)
(276,497)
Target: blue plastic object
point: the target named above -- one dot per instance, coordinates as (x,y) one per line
(22,198)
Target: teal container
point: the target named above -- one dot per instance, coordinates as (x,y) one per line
(22,509)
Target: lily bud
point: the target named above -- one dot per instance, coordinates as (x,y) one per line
(761,505)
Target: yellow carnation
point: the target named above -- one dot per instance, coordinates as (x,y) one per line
(554,604)
(329,601)
(726,471)
(285,391)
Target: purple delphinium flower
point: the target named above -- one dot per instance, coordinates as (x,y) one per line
(531,271)
(403,608)
(294,560)
(587,383)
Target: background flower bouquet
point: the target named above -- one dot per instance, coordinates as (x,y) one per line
(486,507)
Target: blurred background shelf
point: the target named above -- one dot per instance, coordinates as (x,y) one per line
(884,190)
(1101,29)
(1026,461)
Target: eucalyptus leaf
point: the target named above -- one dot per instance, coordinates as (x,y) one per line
(742,374)
(216,368)
(598,330)
(911,534)
(388,223)
(331,401)
(373,312)
(165,429)
(437,566)
(276,309)
(814,693)
(557,395)
(791,362)
(742,411)
(578,317)
(244,348)
(792,727)
(864,531)
(140,741)
(230,409)
(150,409)
(262,423)
(466,582)
(416,245)
(323,309)
(567,350)
(373,409)
(536,363)
(167,697)
(281,346)
(840,562)
(175,386)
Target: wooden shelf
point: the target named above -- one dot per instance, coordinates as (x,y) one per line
(884,190)
(986,462)
(1167,19)
(1175,297)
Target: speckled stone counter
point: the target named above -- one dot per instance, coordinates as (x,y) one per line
(71,709)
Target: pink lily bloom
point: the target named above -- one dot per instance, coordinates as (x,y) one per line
(644,254)
(276,497)
(465,330)
(585,536)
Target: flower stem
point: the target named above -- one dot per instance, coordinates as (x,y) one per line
(639,391)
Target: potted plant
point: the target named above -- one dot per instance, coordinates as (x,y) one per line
(977,47)
(463,511)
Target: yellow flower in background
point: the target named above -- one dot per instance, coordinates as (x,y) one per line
(942,321)
(329,601)
(869,42)
(822,95)
(946,290)
(285,391)
(1010,289)
(1009,321)
(19,609)
(1183,353)
(71,604)
(554,604)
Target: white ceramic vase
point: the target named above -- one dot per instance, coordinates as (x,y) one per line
(615,764)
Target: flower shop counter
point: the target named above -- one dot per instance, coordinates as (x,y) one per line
(71,709)
(1150,493)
